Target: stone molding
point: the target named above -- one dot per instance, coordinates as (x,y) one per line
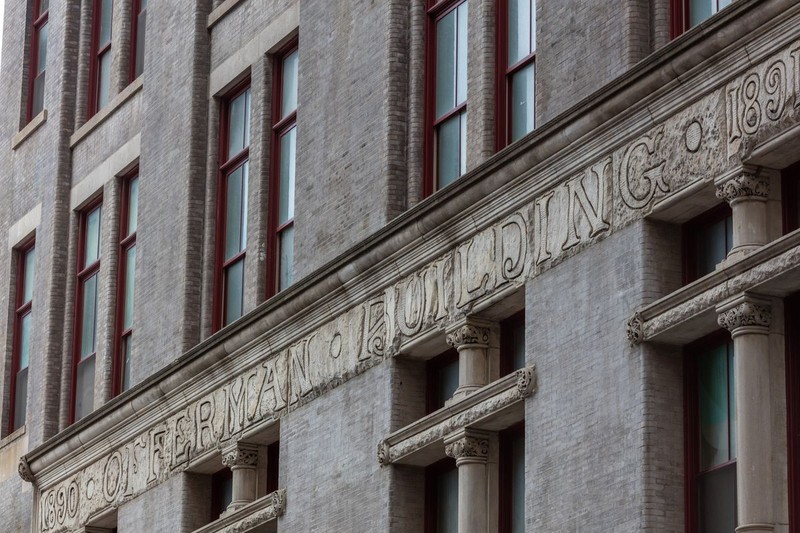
(469,335)
(745,312)
(24,470)
(250,516)
(473,411)
(749,184)
(467,444)
(242,455)
(755,272)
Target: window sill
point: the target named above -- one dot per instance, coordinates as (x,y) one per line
(219,13)
(101,116)
(257,513)
(496,406)
(29,128)
(11,437)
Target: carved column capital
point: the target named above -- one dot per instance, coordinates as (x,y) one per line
(468,334)
(745,314)
(747,184)
(240,455)
(467,446)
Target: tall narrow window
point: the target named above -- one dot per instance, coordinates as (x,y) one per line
(284,130)
(792,329)
(441,497)
(707,239)
(446,106)
(22,337)
(232,206)
(711,435)
(687,14)
(516,48)
(138,27)
(512,343)
(442,379)
(512,480)
(38,59)
(127,269)
(100,71)
(84,348)
(790,197)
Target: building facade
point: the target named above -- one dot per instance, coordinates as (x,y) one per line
(400,265)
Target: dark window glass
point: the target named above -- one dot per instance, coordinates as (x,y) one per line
(790,197)
(38,59)
(221,492)
(512,480)
(707,240)
(512,343)
(441,497)
(442,379)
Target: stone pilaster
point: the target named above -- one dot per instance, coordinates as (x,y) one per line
(242,459)
(747,192)
(748,319)
(470,449)
(471,339)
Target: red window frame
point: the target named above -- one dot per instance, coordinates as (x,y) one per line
(504,74)
(127,240)
(436,9)
(226,167)
(39,20)
(792,339)
(84,273)
(136,11)
(505,466)
(680,12)
(691,424)
(22,309)
(790,197)
(98,50)
(689,230)
(279,127)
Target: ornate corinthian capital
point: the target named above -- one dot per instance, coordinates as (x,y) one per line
(24,470)
(745,312)
(468,334)
(747,184)
(241,456)
(468,446)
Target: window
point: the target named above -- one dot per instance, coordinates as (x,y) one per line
(710,435)
(125,285)
(441,497)
(221,492)
(790,197)
(707,240)
(38,59)
(687,14)
(516,50)
(442,373)
(100,67)
(138,27)
(446,89)
(273,465)
(792,329)
(512,480)
(23,326)
(84,347)
(512,343)
(232,206)
(284,143)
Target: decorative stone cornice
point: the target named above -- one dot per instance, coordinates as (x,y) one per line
(634,329)
(526,381)
(745,311)
(748,184)
(250,516)
(24,470)
(468,334)
(242,455)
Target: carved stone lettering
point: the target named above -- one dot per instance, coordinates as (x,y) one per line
(476,267)
(594,212)
(541,210)
(641,171)
(205,427)
(300,380)
(513,247)
(272,389)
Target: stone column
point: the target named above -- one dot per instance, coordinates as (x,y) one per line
(748,319)
(242,459)
(471,339)
(747,193)
(470,449)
